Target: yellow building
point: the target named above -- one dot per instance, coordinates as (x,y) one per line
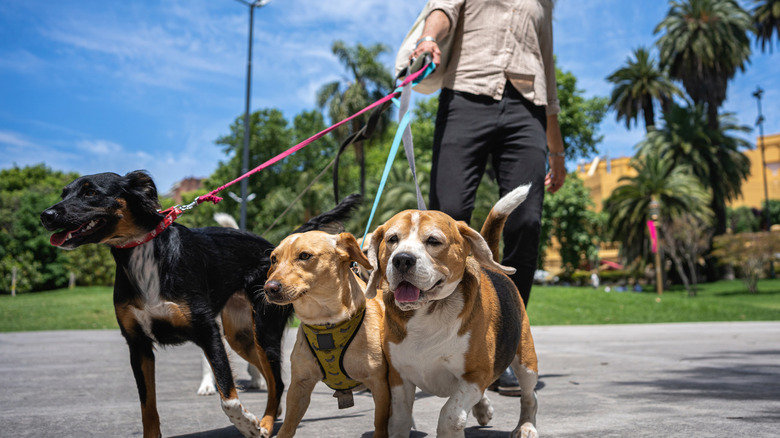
(602,177)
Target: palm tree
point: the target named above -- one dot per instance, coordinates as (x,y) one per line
(713,155)
(368,81)
(637,86)
(676,189)
(704,44)
(766,19)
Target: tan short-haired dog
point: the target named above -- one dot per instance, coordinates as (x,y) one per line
(454,320)
(313,272)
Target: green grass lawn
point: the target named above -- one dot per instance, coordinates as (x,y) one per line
(92,308)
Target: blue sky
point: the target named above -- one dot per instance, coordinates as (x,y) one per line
(93,86)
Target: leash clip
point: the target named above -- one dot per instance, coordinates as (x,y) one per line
(181,208)
(189,206)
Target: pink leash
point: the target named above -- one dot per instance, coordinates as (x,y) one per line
(211,196)
(174,212)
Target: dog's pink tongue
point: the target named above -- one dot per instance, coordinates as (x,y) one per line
(57,239)
(407,293)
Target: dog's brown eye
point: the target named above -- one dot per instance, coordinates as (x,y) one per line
(393,239)
(91,192)
(432,241)
(273,260)
(304,256)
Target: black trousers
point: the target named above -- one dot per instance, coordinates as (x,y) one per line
(512,132)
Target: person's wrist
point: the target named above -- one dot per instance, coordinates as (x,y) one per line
(561,154)
(424,39)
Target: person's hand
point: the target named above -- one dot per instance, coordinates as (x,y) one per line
(427,46)
(555,178)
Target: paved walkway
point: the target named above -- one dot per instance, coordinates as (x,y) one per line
(670,380)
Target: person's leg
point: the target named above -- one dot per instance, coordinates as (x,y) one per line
(465,126)
(521,158)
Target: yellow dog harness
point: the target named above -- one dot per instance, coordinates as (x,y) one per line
(328,344)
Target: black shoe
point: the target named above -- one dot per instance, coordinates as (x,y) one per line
(507,384)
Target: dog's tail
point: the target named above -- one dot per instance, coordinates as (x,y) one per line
(494,223)
(333,221)
(225,220)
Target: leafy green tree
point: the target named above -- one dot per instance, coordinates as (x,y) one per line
(92,265)
(24,193)
(766,19)
(368,81)
(638,85)
(743,219)
(579,117)
(271,135)
(749,252)
(704,43)
(774,212)
(713,155)
(685,239)
(674,187)
(569,217)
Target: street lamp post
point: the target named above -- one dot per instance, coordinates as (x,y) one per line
(760,122)
(247,131)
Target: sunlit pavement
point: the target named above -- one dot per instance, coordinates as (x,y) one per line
(671,380)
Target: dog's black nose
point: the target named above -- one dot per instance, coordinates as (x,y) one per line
(404,261)
(272,287)
(48,217)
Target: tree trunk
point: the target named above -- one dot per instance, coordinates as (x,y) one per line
(649,113)
(681,271)
(694,282)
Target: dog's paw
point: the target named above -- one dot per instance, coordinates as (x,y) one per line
(527,430)
(256,380)
(246,422)
(483,411)
(207,387)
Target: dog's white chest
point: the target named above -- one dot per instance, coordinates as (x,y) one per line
(432,356)
(145,274)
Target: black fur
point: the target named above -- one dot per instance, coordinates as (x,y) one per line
(509,331)
(197,268)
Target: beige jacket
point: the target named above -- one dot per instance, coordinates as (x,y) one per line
(496,40)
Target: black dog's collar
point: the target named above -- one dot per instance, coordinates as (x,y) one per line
(166,222)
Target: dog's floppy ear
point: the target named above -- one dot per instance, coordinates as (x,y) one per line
(140,186)
(480,249)
(373,256)
(348,242)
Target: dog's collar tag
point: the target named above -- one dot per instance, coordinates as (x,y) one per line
(344,396)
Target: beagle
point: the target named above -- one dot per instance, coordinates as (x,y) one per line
(340,338)
(454,320)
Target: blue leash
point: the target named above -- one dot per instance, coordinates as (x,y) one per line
(403,132)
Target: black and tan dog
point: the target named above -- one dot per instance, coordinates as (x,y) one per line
(454,319)
(171,289)
(340,337)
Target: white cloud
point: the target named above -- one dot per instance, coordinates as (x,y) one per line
(100,147)
(9,139)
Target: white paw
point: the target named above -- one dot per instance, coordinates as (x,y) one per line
(246,422)
(256,380)
(483,411)
(207,387)
(527,430)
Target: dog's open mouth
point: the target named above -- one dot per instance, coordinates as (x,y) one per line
(58,239)
(409,293)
